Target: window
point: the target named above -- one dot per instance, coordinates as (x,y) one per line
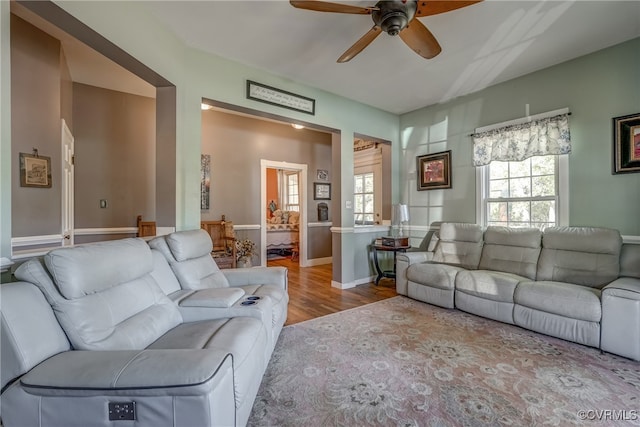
(367,186)
(364,198)
(293,192)
(525,193)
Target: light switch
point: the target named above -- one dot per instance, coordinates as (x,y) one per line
(347,204)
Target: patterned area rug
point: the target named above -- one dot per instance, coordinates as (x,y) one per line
(400,362)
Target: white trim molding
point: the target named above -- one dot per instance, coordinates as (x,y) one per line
(320,224)
(339,285)
(312,262)
(100,231)
(18,242)
(342,230)
(371,228)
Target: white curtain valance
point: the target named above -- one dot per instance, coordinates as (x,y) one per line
(547,136)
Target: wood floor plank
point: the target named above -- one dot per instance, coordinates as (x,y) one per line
(311,294)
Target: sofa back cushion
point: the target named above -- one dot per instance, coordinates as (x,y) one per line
(103,294)
(459,244)
(512,250)
(29,331)
(585,256)
(189,255)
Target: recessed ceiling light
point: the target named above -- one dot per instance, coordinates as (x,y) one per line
(204,106)
(297,126)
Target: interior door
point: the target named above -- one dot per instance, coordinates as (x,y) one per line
(67,185)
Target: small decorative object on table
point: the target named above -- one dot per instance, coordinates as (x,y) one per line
(245,250)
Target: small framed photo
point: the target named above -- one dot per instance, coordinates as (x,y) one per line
(434,171)
(321,191)
(35,171)
(322,175)
(626,144)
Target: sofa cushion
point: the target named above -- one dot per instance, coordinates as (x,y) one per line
(122,316)
(492,285)
(86,269)
(582,255)
(459,244)
(563,299)
(189,256)
(511,250)
(189,244)
(440,276)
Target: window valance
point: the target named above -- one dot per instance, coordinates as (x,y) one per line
(545,136)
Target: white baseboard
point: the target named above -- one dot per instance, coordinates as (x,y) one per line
(319,261)
(339,285)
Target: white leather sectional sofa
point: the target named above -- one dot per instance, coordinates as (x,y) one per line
(580,284)
(153,333)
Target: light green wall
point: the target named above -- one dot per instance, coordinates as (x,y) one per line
(596,88)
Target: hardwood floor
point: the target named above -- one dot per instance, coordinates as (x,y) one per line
(311,294)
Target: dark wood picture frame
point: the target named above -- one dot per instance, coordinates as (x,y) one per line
(35,171)
(321,191)
(626,144)
(434,171)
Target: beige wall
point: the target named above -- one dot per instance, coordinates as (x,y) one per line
(36,73)
(115,157)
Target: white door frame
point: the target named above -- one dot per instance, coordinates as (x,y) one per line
(68,185)
(302,168)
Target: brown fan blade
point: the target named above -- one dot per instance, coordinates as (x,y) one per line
(323,6)
(360,44)
(428,8)
(420,39)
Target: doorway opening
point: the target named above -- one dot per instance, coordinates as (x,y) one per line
(284,217)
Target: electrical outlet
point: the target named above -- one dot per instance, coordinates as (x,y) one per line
(122,411)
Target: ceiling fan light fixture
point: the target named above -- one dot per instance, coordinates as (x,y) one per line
(393,23)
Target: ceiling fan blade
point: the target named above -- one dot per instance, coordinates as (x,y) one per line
(434,7)
(360,44)
(323,6)
(420,39)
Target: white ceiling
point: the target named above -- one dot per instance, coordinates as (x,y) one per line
(482,44)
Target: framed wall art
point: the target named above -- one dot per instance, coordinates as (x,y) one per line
(434,171)
(626,144)
(35,170)
(205,181)
(321,191)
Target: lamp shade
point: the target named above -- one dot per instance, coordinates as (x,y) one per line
(401,213)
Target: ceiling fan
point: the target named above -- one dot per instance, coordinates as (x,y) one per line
(394,17)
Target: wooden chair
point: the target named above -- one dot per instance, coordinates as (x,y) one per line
(224,241)
(145,228)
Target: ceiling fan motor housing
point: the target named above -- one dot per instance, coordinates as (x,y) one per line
(393,16)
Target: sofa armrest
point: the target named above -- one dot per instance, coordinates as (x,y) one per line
(257,276)
(145,372)
(403,261)
(623,287)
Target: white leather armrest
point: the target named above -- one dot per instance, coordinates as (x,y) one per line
(403,261)
(623,287)
(414,257)
(212,297)
(257,276)
(145,372)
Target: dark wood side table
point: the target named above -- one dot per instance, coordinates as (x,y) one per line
(382,248)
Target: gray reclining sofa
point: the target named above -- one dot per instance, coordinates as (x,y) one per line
(581,284)
(106,332)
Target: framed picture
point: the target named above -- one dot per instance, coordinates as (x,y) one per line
(626,144)
(434,171)
(321,191)
(35,171)
(205,180)
(322,175)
